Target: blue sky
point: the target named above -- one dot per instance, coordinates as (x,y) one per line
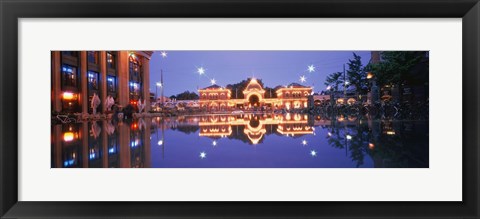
(228,67)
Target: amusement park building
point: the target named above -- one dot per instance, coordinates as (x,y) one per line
(293,96)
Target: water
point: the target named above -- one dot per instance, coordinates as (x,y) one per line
(242,141)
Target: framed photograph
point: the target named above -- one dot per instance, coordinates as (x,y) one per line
(239,109)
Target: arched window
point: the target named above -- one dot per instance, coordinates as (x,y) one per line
(135,75)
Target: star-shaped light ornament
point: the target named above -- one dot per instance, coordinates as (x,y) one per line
(311,68)
(313,153)
(201,70)
(304,142)
(163,54)
(303,79)
(212,81)
(203,155)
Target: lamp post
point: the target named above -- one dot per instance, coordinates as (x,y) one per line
(158,84)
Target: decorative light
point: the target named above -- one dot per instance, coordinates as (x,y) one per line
(164,54)
(369,75)
(68,136)
(347,82)
(159,84)
(203,155)
(390,132)
(303,78)
(311,68)
(313,153)
(201,70)
(329,134)
(212,81)
(67,96)
(371,146)
(160,142)
(304,142)
(214,143)
(349,137)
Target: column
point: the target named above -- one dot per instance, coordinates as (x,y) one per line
(123,78)
(146,144)
(124,136)
(83,81)
(85,152)
(56,82)
(146,82)
(57,143)
(103,79)
(104,145)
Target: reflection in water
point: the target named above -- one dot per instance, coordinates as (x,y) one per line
(250,140)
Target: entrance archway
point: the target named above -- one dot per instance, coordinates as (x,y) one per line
(254,100)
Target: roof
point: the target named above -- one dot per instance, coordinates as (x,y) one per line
(296,85)
(211,87)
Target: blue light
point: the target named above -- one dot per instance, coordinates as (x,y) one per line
(111,150)
(110,79)
(68,163)
(92,156)
(134,144)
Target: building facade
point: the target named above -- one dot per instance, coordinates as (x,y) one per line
(79,75)
(293,96)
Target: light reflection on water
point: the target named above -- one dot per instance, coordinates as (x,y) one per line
(242,141)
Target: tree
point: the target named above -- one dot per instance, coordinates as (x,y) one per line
(357,75)
(186,95)
(333,80)
(398,66)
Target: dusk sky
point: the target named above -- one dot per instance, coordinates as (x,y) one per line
(228,67)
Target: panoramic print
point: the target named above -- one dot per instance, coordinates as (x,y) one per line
(239,109)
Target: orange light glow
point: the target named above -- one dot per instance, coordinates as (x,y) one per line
(68,136)
(371,146)
(390,132)
(369,75)
(68,96)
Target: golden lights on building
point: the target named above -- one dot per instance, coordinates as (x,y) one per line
(293,96)
(255,126)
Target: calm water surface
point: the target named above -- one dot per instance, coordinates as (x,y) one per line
(242,141)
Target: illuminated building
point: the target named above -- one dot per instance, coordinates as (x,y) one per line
(101,145)
(293,96)
(254,127)
(78,75)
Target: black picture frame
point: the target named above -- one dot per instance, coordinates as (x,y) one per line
(12,10)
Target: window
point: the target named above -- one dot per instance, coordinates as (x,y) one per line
(70,53)
(93,80)
(134,66)
(92,57)
(111,60)
(69,75)
(111,85)
(134,88)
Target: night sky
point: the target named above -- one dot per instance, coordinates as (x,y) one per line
(228,67)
